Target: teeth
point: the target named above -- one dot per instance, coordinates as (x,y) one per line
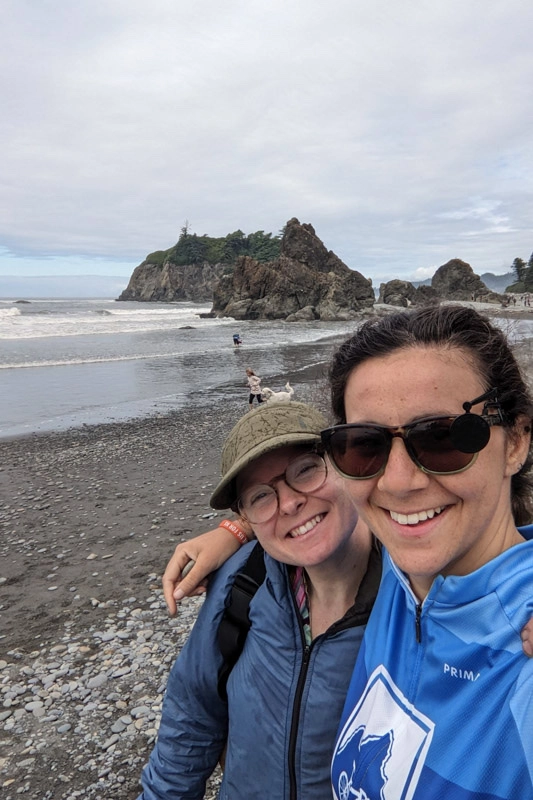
(306,527)
(414,519)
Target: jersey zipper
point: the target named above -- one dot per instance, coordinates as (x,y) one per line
(418,604)
(418,623)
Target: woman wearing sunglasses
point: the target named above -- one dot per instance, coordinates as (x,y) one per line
(286,691)
(434,436)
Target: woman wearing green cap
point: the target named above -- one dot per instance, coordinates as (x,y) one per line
(287,689)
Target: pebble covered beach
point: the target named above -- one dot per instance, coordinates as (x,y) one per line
(89,518)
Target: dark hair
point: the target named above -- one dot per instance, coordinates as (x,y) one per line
(453,327)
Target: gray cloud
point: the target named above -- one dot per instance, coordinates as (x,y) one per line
(401,131)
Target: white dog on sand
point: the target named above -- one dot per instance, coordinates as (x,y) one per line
(269,396)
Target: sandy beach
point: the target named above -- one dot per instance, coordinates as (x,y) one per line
(89,518)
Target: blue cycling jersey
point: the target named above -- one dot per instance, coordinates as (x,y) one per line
(440,705)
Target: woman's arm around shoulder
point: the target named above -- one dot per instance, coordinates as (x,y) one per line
(207,553)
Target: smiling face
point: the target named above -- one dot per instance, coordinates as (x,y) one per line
(431,524)
(308,529)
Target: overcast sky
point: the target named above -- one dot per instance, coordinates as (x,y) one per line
(401,130)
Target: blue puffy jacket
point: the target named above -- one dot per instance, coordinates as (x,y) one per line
(284,698)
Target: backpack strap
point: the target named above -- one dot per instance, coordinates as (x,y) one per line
(235,622)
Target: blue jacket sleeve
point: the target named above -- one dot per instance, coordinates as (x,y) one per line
(194,720)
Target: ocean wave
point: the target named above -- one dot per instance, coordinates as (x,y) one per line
(172,311)
(10,312)
(69,362)
(43,325)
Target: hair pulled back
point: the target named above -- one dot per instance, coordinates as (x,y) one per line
(446,327)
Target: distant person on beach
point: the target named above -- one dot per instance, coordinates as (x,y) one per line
(286,692)
(254,382)
(237,339)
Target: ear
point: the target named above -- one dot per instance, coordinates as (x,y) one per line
(518,444)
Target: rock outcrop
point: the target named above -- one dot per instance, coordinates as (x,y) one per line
(404,294)
(306,282)
(426,296)
(456,280)
(168,282)
(397,293)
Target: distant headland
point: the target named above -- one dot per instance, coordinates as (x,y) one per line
(294,276)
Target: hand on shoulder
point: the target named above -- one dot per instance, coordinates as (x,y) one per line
(207,552)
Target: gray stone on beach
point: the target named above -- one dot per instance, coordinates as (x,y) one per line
(33,705)
(97,680)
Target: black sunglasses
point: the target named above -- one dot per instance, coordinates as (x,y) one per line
(438,445)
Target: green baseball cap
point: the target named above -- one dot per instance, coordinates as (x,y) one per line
(267,428)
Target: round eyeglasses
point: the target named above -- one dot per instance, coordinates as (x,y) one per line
(304,474)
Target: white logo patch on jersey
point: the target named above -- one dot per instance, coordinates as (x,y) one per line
(383,745)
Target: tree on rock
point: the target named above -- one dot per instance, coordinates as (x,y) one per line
(519,268)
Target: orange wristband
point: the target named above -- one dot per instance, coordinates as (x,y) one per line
(235,529)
